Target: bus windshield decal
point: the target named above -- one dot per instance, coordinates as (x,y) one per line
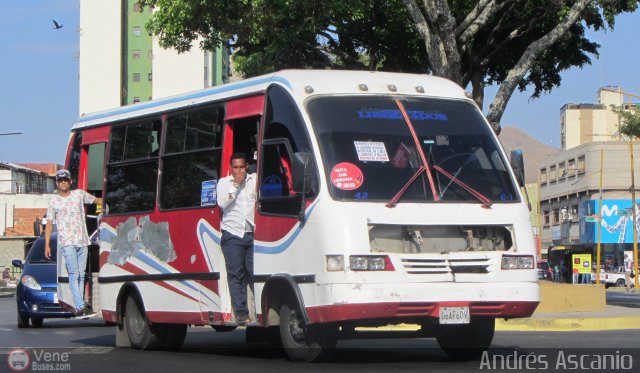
(371,151)
(397,115)
(346,176)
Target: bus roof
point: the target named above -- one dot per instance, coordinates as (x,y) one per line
(305,83)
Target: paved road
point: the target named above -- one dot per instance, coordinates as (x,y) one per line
(89,344)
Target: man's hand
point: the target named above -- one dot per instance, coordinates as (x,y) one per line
(47,252)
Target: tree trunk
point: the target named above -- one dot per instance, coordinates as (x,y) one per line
(517,73)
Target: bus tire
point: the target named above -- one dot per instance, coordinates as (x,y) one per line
(174,335)
(141,334)
(302,343)
(467,341)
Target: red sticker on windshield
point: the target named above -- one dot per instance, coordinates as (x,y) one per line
(346,176)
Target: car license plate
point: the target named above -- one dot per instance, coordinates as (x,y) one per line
(454,315)
(55,297)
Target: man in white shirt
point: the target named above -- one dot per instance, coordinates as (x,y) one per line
(67,210)
(236,196)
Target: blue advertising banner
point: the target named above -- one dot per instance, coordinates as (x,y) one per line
(616,223)
(208,193)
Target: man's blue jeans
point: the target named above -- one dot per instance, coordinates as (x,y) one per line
(76,259)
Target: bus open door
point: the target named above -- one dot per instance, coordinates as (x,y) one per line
(85,161)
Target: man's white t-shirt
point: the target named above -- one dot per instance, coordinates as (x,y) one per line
(68,214)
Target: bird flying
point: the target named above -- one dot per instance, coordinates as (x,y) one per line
(56,25)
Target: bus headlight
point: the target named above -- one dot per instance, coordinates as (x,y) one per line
(517,262)
(30,282)
(370,263)
(334,263)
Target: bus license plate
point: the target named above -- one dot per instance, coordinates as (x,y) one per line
(454,315)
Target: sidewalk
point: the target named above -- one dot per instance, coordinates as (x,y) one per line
(611,318)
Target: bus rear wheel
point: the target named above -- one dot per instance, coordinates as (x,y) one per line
(302,342)
(467,341)
(146,336)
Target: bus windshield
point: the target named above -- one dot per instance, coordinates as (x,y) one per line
(370,154)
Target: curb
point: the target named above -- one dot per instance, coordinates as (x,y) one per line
(7,295)
(582,324)
(576,324)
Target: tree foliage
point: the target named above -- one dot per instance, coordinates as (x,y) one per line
(515,44)
(629,120)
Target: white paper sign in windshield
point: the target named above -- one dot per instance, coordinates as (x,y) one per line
(371,151)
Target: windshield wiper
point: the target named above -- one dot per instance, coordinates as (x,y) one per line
(424,168)
(486,202)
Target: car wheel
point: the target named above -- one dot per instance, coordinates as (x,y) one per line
(37,321)
(620,283)
(23,321)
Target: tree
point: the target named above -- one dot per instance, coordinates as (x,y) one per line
(630,120)
(512,43)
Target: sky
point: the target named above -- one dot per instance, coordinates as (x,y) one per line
(39,80)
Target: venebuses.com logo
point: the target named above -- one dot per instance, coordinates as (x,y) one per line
(19,360)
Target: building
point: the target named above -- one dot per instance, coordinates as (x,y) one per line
(570,193)
(25,193)
(585,123)
(121,64)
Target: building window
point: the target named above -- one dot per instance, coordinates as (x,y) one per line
(136,77)
(571,167)
(581,164)
(555,216)
(553,175)
(137,31)
(543,176)
(562,171)
(546,215)
(136,54)
(150,77)
(136,100)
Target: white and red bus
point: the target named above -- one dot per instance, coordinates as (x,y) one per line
(383,198)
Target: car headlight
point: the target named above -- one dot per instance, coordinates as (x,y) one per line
(517,262)
(30,282)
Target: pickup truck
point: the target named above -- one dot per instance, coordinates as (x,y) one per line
(617,277)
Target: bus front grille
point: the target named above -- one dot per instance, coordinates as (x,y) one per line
(429,266)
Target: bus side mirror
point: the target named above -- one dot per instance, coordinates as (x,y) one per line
(517,163)
(302,166)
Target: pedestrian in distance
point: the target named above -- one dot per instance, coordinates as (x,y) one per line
(236,196)
(66,209)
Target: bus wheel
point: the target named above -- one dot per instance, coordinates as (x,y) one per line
(467,341)
(174,336)
(142,335)
(302,343)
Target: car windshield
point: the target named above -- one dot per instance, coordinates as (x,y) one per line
(36,253)
(370,154)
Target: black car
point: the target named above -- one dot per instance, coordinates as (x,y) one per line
(37,291)
(544,270)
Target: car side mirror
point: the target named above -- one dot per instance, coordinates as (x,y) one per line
(17,263)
